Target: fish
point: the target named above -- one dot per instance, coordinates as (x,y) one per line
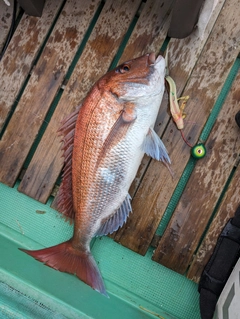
(104,142)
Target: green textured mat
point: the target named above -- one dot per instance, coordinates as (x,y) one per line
(138,287)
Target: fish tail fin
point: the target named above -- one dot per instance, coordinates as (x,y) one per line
(64,257)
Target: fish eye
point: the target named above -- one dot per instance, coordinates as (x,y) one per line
(124,68)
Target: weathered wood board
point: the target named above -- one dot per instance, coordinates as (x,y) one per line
(5,21)
(150,30)
(21,53)
(102,45)
(183,56)
(181,238)
(44,83)
(226,211)
(206,81)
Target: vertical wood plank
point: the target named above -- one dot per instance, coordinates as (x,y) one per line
(205,83)
(43,85)
(180,240)
(226,210)
(95,60)
(20,54)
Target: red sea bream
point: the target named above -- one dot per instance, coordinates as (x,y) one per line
(104,143)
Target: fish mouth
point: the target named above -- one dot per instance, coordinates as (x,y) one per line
(152,59)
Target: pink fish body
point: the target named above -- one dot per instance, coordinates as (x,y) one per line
(104,144)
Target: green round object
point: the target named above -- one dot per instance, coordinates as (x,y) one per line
(198,151)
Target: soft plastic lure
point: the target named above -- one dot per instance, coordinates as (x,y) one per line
(198,151)
(175,109)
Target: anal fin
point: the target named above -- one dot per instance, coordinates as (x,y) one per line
(117,220)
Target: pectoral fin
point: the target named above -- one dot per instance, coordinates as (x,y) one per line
(129,112)
(154,147)
(116,220)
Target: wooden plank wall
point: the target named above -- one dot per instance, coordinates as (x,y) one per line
(224,151)
(197,203)
(204,85)
(21,53)
(45,81)
(199,64)
(226,211)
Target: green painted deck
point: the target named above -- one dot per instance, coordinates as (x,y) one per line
(152,264)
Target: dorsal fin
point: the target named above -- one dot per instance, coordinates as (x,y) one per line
(117,219)
(64,200)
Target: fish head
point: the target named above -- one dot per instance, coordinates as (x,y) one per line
(137,78)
